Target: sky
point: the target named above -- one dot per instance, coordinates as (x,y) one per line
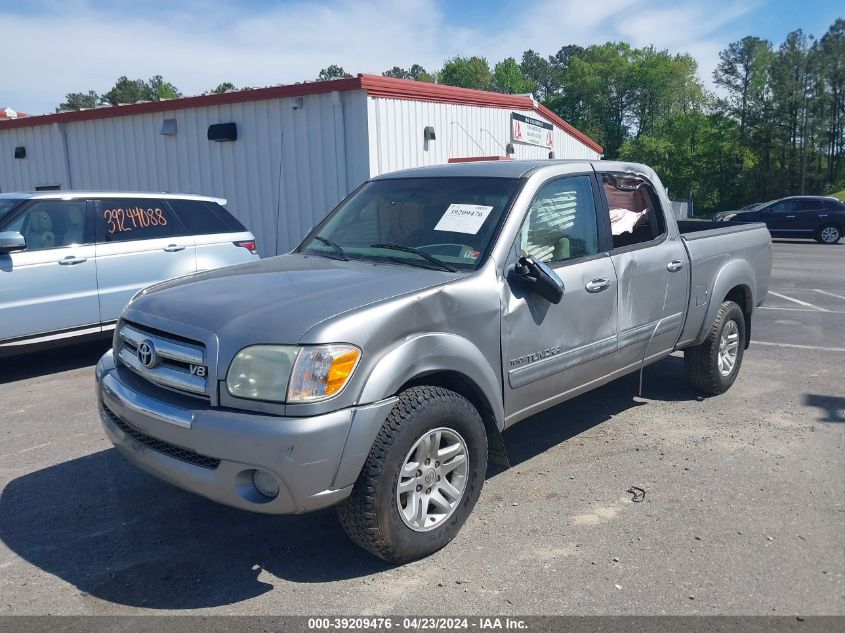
(53,47)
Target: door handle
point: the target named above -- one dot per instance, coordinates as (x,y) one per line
(70,260)
(597,285)
(674,266)
(790,217)
(173,248)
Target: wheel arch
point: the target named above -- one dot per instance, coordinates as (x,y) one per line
(734,282)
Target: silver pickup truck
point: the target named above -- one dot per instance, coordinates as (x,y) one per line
(376,366)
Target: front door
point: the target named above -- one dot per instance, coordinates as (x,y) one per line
(550,350)
(50,288)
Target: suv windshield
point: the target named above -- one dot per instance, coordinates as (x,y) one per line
(6,205)
(443,223)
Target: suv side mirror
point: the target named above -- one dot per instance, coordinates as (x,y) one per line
(536,276)
(11,241)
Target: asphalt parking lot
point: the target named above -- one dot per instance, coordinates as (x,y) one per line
(743,510)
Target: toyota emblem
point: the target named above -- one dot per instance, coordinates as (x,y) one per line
(147,354)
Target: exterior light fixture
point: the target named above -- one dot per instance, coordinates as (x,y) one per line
(20,152)
(168,127)
(223,132)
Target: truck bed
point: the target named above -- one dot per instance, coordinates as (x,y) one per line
(715,249)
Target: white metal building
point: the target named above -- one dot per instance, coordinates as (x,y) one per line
(293,152)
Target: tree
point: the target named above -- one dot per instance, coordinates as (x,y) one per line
(508,78)
(127,90)
(416,72)
(224,87)
(161,89)
(467,72)
(79,100)
(743,70)
(333,72)
(540,72)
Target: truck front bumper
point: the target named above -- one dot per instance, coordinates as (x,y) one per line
(215,452)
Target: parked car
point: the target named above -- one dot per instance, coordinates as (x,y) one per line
(376,365)
(70,260)
(818,217)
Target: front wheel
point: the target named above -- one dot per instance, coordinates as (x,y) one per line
(421,479)
(829,234)
(712,366)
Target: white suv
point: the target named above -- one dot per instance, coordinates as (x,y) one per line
(69,260)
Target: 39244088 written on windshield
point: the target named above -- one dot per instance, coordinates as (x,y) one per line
(444,223)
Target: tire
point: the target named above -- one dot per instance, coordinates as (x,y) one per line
(372,517)
(829,234)
(702,362)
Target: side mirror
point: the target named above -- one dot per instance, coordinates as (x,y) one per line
(536,276)
(11,241)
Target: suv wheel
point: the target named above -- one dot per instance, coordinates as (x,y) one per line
(421,479)
(829,234)
(712,366)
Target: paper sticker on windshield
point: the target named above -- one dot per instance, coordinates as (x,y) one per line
(463,218)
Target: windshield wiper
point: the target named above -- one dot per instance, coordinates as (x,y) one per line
(416,251)
(334,246)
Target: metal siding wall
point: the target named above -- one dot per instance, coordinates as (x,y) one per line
(44,163)
(277,202)
(396,134)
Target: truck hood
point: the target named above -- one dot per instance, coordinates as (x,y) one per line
(277,300)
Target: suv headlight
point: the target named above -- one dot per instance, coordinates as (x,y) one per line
(286,373)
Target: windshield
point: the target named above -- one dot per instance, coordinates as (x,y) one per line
(446,223)
(6,205)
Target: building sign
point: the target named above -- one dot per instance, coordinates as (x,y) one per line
(525,129)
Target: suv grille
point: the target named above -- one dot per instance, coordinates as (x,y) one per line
(182,454)
(166,360)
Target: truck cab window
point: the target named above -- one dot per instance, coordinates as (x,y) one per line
(561,222)
(635,216)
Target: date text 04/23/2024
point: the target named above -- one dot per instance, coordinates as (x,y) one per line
(417,623)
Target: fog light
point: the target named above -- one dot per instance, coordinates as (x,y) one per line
(266,483)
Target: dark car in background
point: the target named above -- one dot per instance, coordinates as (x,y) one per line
(819,217)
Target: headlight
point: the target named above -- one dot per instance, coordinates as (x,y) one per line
(280,373)
(261,372)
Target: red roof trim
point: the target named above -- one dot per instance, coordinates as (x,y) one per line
(259,94)
(391,88)
(375,85)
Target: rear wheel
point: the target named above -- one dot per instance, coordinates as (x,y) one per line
(829,234)
(421,479)
(712,366)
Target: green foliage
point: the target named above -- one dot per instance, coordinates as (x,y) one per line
(333,72)
(508,78)
(415,72)
(467,72)
(133,90)
(79,100)
(224,87)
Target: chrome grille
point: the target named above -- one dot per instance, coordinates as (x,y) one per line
(173,363)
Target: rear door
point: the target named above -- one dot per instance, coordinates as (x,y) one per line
(219,238)
(651,269)
(550,350)
(50,288)
(140,242)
